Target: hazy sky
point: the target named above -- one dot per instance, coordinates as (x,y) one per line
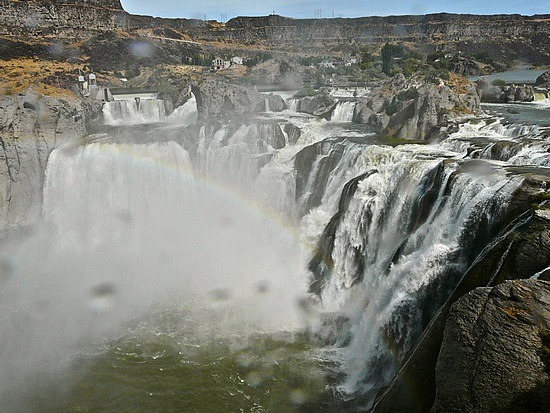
(221,10)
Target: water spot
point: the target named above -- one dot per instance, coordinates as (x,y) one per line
(220,294)
(262,287)
(245,359)
(254,379)
(298,396)
(56,49)
(6,270)
(102,297)
(141,49)
(124,216)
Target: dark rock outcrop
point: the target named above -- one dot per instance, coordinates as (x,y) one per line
(416,109)
(322,104)
(504,94)
(494,354)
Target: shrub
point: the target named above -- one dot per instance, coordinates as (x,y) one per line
(498,82)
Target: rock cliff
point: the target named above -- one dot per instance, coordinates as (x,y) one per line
(31,126)
(495,351)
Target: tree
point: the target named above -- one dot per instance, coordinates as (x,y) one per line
(389,52)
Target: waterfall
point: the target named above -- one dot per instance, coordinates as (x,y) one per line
(343,112)
(127,112)
(125,180)
(393,255)
(240,218)
(185,114)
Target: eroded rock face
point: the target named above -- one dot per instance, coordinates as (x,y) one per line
(417,108)
(31,127)
(219,99)
(494,351)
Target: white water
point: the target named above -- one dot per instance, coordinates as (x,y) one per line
(129,229)
(130,112)
(343,112)
(185,114)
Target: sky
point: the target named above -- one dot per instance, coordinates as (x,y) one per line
(224,10)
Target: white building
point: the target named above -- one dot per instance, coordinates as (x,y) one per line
(237,60)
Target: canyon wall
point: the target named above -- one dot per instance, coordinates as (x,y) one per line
(508,36)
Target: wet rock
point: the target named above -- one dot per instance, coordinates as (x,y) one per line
(519,251)
(275,103)
(494,354)
(417,108)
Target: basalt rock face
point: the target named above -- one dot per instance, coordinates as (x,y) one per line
(322,104)
(30,128)
(494,354)
(216,99)
(416,109)
(503,37)
(504,94)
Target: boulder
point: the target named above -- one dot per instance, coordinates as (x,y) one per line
(274,103)
(495,351)
(216,98)
(417,108)
(322,104)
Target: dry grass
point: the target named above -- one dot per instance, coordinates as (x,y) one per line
(17,75)
(459,83)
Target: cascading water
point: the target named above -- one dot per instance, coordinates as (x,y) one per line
(129,112)
(343,112)
(185,114)
(208,227)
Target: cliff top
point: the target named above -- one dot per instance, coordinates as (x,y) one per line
(110,4)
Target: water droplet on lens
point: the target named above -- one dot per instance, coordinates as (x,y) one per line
(220,294)
(262,286)
(102,297)
(254,379)
(6,270)
(298,396)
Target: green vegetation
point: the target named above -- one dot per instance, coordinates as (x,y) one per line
(498,82)
(389,53)
(307,91)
